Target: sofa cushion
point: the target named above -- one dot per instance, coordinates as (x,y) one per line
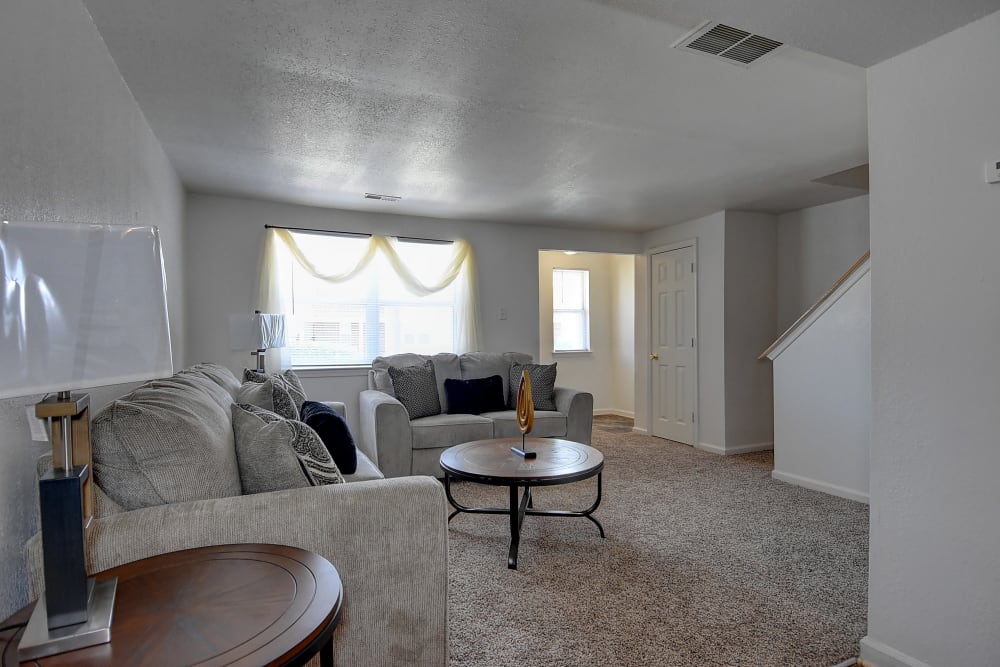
(264,451)
(548,424)
(164,444)
(543,382)
(335,434)
(271,395)
(365,471)
(416,389)
(219,374)
(287,379)
(316,461)
(485,364)
(446,365)
(474,396)
(447,430)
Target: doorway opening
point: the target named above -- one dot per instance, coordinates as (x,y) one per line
(586,315)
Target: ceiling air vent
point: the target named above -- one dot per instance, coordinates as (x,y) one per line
(727,43)
(372,195)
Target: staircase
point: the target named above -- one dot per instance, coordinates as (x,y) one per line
(822,390)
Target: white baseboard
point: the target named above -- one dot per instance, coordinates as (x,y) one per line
(877,654)
(735,449)
(614,411)
(825,487)
(640,430)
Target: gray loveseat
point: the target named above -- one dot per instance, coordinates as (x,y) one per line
(413,447)
(387,537)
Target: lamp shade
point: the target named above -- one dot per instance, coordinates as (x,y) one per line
(82,306)
(259,331)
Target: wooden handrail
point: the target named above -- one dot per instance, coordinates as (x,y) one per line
(819,302)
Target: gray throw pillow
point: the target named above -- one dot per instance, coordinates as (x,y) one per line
(416,388)
(271,394)
(276,453)
(543,382)
(287,378)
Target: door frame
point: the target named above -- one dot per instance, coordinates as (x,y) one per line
(693,244)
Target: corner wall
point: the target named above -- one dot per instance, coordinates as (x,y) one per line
(815,247)
(751,306)
(76,148)
(934,578)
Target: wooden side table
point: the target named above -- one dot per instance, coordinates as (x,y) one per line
(245,604)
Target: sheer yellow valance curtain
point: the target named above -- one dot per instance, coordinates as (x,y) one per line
(282,249)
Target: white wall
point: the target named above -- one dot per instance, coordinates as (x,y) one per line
(822,397)
(223,239)
(934,580)
(815,247)
(751,306)
(75,147)
(597,371)
(623,269)
(710,232)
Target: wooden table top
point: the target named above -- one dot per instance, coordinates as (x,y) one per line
(246,604)
(492,462)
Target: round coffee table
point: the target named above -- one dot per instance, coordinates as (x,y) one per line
(245,604)
(492,462)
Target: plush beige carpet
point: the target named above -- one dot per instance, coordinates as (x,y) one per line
(707,561)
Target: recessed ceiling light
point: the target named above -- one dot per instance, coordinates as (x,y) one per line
(372,195)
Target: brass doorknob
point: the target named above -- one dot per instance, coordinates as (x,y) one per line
(654,356)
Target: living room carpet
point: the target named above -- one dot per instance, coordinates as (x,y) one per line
(707,561)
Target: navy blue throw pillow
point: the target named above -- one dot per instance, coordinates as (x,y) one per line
(472,397)
(333,431)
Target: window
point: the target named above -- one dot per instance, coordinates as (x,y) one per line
(352,298)
(570,310)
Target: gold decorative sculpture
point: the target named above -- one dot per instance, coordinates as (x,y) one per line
(525,414)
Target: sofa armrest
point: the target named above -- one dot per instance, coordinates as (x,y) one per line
(338,407)
(385,431)
(388,540)
(578,406)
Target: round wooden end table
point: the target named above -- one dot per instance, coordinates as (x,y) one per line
(245,604)
(492,462)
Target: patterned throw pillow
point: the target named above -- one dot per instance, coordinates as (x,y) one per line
(543,382)
(416,389)
(271,395)
(288,378)
(277,453)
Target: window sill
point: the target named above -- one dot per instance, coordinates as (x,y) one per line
(572,353)
(331,371)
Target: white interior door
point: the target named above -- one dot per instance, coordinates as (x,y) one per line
(674,358)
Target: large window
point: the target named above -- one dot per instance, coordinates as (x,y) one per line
(355,298)
(570,310)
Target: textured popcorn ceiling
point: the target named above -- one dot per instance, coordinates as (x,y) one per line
(563,112)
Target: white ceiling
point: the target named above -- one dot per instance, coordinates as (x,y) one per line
(566,112)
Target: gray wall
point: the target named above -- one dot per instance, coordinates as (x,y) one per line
(934,578)
(815,247)
(223,240)
(75,147)
(751,279)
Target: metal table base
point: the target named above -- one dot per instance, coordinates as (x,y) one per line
(521,505)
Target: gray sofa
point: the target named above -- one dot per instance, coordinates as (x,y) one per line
(387,538)
(404,447)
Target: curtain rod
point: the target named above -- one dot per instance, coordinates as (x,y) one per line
(415,239)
